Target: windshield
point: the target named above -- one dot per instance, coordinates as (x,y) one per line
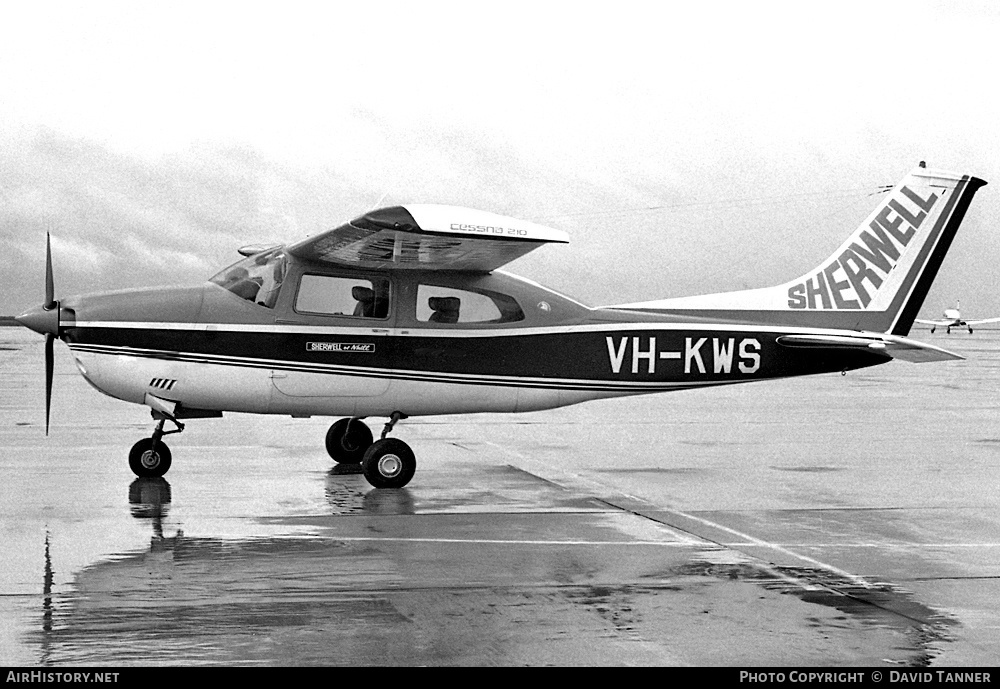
(256,279)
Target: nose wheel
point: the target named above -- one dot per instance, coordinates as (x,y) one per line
(150,457)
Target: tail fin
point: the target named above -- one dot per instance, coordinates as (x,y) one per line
(878,278)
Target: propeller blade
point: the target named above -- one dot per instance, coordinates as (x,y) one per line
(49,364)
(50,290)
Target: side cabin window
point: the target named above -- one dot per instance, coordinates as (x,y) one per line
(449,305)
(256,279)
(328,295)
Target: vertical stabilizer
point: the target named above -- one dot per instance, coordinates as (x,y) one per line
(875,281)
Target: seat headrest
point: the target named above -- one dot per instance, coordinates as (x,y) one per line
(362,293)
(444,303)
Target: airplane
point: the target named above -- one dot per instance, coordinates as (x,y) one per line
(405,312)
(953,319)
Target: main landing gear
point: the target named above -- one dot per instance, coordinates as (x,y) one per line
(386,462)
(150,457)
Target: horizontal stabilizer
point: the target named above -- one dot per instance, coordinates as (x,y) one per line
(892,346)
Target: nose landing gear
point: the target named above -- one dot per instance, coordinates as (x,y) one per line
(150,457)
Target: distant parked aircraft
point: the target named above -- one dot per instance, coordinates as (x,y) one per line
(953,319)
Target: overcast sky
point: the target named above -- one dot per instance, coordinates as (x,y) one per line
(685,147)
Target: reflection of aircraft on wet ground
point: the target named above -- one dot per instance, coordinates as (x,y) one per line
(953,319)
(403,312)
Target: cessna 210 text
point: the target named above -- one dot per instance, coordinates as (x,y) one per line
(403,312)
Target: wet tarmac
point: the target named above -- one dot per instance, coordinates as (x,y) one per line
(844,521)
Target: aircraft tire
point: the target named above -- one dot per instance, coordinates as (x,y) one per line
(389,463)
(147,463)
(348,448)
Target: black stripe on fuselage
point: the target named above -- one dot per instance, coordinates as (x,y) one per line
(614,359)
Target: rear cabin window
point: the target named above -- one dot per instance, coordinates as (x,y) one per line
(339,296)
(449,305)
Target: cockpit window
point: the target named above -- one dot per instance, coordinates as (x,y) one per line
(256,279)
(328,295)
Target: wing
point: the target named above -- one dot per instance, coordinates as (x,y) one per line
(920,320)
(427,237)
(983,320)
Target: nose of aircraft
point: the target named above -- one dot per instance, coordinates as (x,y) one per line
(41,319)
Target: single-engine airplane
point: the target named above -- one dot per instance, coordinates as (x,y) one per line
(404,311)
(953,319)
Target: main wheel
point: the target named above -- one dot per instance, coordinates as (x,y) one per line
(147,462)
(347,440)
(389,463)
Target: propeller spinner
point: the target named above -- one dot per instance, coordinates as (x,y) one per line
(45,320)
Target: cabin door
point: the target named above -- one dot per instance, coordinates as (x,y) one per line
(338,340)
